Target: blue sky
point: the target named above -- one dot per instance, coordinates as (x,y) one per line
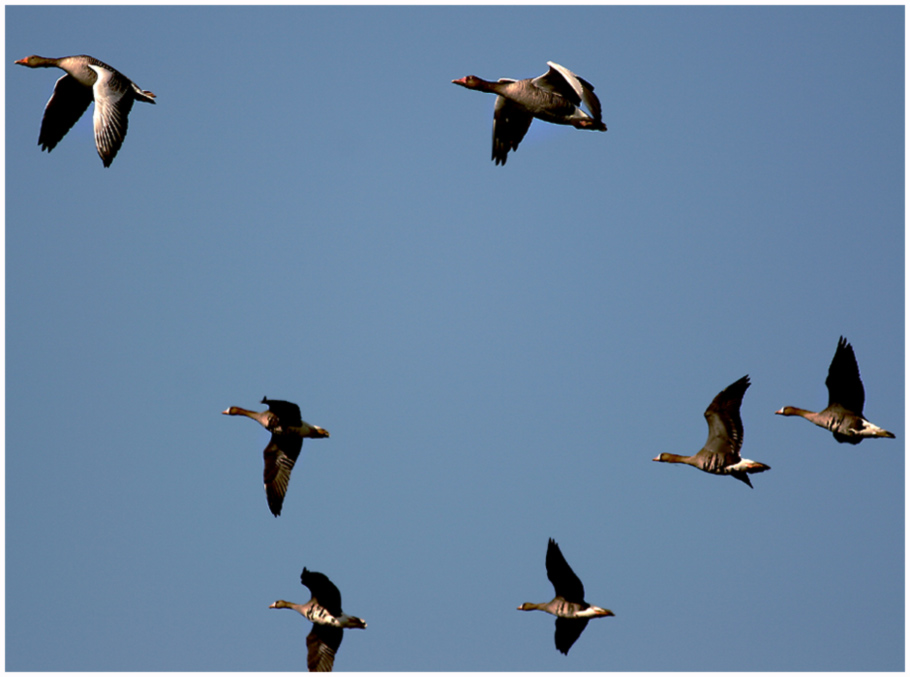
(310,213)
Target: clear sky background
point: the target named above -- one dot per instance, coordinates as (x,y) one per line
(310,213)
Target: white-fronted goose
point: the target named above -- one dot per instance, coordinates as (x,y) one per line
(553,97)
(844,414)
(87,79)
(288,430)
(569,606)
(720,455)
(329,621)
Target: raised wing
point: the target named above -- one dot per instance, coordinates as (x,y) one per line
(725,426)
(844,384)
(565,582)
(323,591)
(561,80)
(288,413)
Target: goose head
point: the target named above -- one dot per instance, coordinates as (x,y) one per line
(472,82)
(32,61)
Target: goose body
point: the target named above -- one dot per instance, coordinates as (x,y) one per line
(555,96)
(329,621)
(87,79)
(288,430)
(721,453)
(846,397)
(569,606)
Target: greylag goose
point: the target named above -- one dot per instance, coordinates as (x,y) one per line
(329,621)
(553,97)
(569,606)
(844,414)
(88,79)
(720,455)
(288,430)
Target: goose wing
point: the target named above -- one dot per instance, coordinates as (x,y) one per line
(510,124)
(288,413)
(562,81)
(725,426)
(321,644)
(66,105)
(323,591)
(844,385)
(113,102)
(565,582)
(279,456)
(567,631)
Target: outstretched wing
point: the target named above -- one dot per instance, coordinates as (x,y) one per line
(279,456)
(844,384)
(113,102)
(564,82)
(725,426)
(66,105)
(288,413)
(565,582)
(567,631)
(323,591)
(321,644)
(510,124)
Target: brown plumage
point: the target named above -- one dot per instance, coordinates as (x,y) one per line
(87,79)
(553,97)
(329,621)
(569,606)
(846,397)
(720,455)
(288,430)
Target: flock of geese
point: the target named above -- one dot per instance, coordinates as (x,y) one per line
(553,97)
(556,97)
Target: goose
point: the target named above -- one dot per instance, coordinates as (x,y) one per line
(844,414)
(288,430)
(553,97)
(329,621)
(569,606)
(720,455)
(87,79)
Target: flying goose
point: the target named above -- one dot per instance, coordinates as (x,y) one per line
(553,97)
(88,79)
(329,621)
(288,430)
(720,455)
(844,414)
(569,606)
